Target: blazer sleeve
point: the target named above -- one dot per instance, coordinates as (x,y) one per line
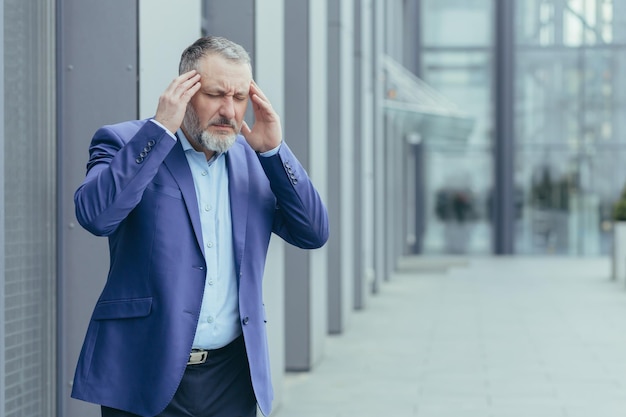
(123,159)
(301,217)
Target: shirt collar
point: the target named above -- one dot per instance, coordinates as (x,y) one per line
(187,147)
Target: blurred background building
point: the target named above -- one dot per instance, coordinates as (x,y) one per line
(431,127)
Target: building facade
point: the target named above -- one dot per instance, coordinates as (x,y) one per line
(430,127)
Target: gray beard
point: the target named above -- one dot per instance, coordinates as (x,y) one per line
(206,140)
(219,144)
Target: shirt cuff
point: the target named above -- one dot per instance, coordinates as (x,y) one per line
(271,152)
(164,128)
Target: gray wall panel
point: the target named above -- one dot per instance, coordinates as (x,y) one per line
(359,287)
(97,67)
(380,233)
(296,126)
(2,231)
(335,319)
(364,151)
(340,164)
(348,151)
(234,20)
(305,131)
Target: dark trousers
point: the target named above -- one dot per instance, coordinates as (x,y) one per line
(220,387)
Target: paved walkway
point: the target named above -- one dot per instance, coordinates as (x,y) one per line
(498,337)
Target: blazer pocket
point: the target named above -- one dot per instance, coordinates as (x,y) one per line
(165,189)
(122,309)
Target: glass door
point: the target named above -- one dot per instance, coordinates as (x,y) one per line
(457,49)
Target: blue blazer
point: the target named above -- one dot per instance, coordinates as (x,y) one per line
(139,192)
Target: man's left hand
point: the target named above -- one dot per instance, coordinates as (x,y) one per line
(266,133)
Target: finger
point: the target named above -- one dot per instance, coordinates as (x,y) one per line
(192,82)
(191,91)
(187,75)
(181,83)
(181,79)
(261,107)
(245,129)
(255,89)
(261,100)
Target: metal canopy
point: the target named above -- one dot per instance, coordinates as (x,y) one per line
(417,108)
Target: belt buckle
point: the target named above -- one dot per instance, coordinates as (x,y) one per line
(198,356)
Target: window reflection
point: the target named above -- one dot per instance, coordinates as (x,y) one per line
(570,141)
(568,131)
(457,62)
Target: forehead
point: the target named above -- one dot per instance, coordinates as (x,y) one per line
(220,72)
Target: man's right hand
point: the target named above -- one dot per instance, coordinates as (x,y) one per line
(173,102)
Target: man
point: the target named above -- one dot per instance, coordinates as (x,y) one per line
(188,206)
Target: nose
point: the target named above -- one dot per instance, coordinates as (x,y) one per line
(227,109)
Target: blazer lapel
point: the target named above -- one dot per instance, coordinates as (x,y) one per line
(237,166)
(176,163)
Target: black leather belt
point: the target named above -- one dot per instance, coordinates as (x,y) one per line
(199,356)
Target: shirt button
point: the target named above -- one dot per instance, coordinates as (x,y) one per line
(204,173)
(207,207)
(210,282)
(209,319)
(210,244)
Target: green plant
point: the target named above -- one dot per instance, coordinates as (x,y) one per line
(619,208)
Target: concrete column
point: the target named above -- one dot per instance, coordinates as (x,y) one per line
(504,141)
(364,152)
(359,267)
(306,133)
(395,151)
(379,150)
(416,210)
(2,231)
(341,161)
(270,75)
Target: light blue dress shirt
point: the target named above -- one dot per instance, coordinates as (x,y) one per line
(219,322)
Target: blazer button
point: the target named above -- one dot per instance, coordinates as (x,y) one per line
(245,320)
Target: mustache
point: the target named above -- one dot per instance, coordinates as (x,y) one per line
(223,121)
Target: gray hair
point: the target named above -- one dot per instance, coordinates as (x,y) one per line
(212,45)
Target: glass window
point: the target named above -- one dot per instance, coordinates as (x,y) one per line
(457,63)
(457,23)
(568,129)
(29,223)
